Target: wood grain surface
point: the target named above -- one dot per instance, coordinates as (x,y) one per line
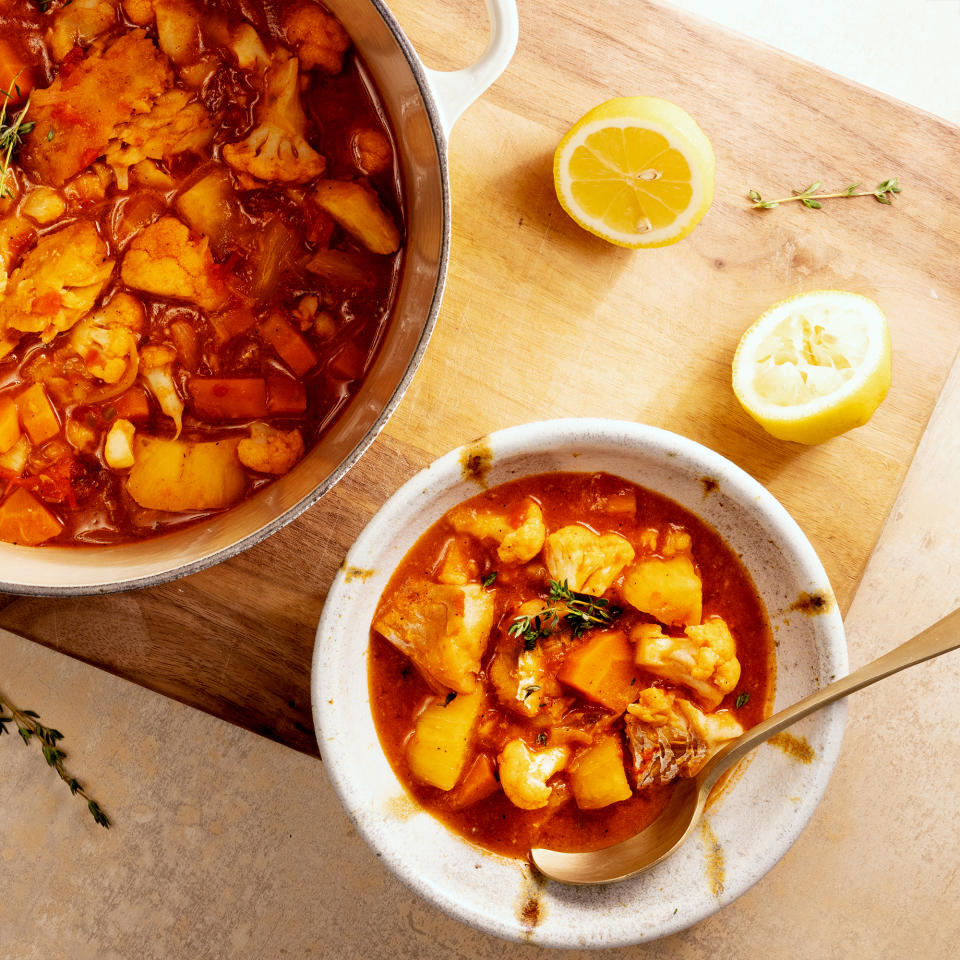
(541,320)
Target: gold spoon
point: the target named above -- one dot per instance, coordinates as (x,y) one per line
(680,816)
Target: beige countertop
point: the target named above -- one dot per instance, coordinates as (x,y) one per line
(228,845)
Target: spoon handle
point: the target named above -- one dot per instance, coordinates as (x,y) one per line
(941,637)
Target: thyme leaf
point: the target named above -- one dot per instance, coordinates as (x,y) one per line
(743,699)
(28,725)
(13,128)
(580,612)
(810,198)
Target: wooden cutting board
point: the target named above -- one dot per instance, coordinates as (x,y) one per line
(542,320)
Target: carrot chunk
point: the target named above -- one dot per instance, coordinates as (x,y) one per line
(228,398)
(133,405)
(290,345)
(602,669)
(285,395)
(9,424)
(478,782)
(24,519)
(37,415)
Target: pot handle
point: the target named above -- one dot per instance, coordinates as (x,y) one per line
(455,90)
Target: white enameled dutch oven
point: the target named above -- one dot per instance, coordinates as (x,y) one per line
(422,105)
(745,830)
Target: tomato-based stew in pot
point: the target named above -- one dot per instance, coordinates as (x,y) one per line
(554,653)
(200,238)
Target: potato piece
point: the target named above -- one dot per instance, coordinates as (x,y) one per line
(178,475)
(9,424)
(37,414)
(669,590)
(178,30)
(210,207)
(597,777)
(442,738)
(357,208)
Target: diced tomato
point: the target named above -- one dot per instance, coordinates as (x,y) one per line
(228,398)
(348,362)
(290,345)
(285,395)
(133,405)
(37,414)
(24,519)
(16,75)
(48,303)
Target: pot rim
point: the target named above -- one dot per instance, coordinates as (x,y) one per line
(179,570)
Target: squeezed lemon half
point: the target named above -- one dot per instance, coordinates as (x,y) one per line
(637,171)
(814,366)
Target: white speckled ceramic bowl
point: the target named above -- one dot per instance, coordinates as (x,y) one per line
(745,831)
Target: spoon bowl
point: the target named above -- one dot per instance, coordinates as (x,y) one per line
(676,822)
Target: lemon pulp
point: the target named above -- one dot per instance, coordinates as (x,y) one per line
(814,366)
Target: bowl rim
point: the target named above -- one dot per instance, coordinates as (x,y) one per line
(532,438)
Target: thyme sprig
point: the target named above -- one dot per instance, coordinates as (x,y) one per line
(13,128)
(579,611)
(810,198)
(29,727)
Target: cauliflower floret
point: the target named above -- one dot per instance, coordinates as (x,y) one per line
(668,589)
(178,29)
(520,535)
(79,23)
(156,368)
(107,339)
(442,628)
(704,661)
(56,284)
(118,445)
(43,205)
(277,148)
(165,260)
(173,125)
(317,36)
(267,450)
(587,561)
(248,48)
(524,773)
(670,737)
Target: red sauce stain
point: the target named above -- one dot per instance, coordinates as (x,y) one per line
(812,603)
(709,485)
(476,460)
(796,747)
(531,913)
(716,866)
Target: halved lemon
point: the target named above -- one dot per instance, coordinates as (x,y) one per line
(814,366)
(637,171)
